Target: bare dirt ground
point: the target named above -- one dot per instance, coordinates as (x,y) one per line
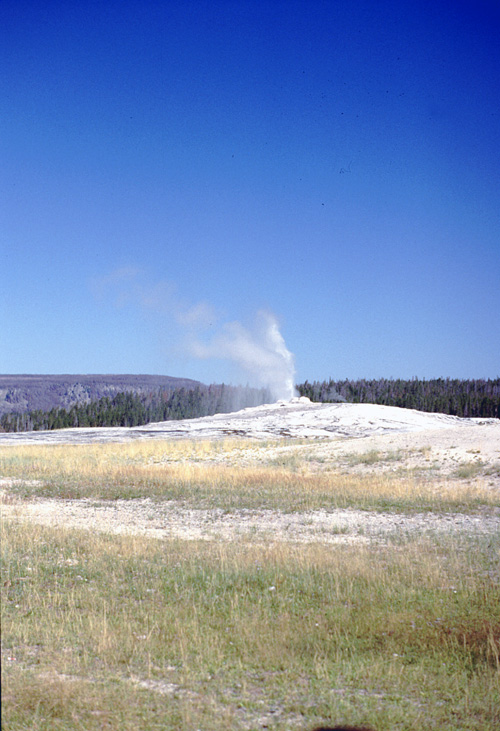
(360,439)
(170,520)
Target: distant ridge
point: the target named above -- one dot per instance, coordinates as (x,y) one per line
(30,392)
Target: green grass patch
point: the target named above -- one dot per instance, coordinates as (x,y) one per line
(470,470)
(374,456)
(122,632)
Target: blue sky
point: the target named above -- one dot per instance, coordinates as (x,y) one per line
(172,170)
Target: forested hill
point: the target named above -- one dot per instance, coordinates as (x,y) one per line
(23,393)
(466,398)
(135,409)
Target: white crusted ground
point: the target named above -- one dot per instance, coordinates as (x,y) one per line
(298,418)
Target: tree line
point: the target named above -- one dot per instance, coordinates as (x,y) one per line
(135,409)
(465,398)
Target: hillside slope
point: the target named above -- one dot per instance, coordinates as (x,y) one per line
(22,393)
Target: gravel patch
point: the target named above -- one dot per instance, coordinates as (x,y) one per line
(171,520)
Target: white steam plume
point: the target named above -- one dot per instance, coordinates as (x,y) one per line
(261,353)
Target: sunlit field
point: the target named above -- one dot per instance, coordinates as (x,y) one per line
(233,474)
(127,632)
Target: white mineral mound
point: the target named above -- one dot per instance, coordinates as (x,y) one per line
(298,418)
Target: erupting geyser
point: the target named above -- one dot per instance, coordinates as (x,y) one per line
(280,372)
(261,353)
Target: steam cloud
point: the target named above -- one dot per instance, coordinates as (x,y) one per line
(259,351)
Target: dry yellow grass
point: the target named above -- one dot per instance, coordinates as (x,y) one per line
(223,474)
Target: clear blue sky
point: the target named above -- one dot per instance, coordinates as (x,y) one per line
(170,169)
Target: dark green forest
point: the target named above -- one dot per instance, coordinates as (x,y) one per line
(133,409)
(471,398)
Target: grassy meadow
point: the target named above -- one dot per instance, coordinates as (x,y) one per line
(232,474)
(127,632)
